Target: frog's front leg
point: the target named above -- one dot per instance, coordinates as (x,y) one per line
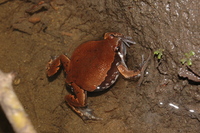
(78,103)
(54,65)
(126,72)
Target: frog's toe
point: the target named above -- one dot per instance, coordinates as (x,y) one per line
(87,114)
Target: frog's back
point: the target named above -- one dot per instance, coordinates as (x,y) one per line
(90,63)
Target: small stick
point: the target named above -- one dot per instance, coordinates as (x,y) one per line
(144,67)
(12,107)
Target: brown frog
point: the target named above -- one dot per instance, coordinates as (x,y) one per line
(94,66)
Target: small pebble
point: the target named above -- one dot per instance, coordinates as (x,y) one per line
(16,81)
(34,19)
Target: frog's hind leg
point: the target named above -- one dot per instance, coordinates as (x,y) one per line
(79,99)
(78,103)
(54,65)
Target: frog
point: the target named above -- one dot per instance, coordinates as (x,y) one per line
(94,66)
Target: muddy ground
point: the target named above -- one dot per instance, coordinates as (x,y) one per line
(165,102)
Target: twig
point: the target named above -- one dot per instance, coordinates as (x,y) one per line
(12,107)
(144,67)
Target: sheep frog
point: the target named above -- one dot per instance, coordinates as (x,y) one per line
(94,66)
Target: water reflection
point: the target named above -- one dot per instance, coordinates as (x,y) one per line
(193,113)
(173,105)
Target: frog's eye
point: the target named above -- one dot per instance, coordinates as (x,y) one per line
(112,36)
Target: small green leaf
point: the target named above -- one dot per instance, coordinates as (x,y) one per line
(183,60)
(189,62)
(159,56)
(156,52)
(192,53)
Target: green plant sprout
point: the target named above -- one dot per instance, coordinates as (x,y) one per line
(187,58)
(159,53)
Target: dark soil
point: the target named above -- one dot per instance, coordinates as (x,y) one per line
(165,102)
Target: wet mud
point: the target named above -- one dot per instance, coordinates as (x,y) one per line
(32,32)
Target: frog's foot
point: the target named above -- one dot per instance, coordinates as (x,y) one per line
(83,111)
(78,103)
(54,65)
(86,113)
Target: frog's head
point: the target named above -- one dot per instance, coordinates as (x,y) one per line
(122,43)
(123,40)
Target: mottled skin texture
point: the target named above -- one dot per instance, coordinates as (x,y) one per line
(91,64)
